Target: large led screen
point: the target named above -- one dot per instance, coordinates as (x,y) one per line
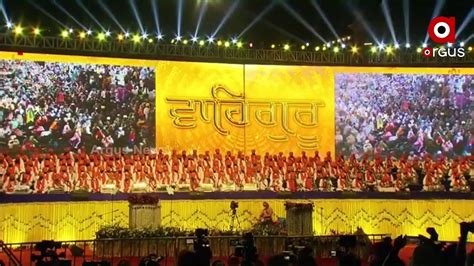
(63,106)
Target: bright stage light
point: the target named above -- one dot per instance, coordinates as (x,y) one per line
(89,32)
(250,45)
(107,34)
(303,47)
(219,43)
(178,38)
(65,33)
(407,45)
(328,44)
(396,46)
(194,39)
(82,35)
(373,49)
(151,40)
(343,46)
(227,44)
(450,44)
(316,48)
(307,44)
(159,36)
(120,37)
(469,48)
(36,31)
(185,41)
(381,46)
(144,35)
(418,50)
(127,34)
(101,36)
(461,44)
(286,47)
(18,30)
(354,49)
(348,37)
(324,48)
(210,39)
(336,49)
(389,50)
(136,38)
(239,44)
(71,30)
(424,45)
(273,46)
(201,42)
(234,40)
(9,25)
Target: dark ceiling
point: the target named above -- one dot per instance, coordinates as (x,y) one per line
(277,25)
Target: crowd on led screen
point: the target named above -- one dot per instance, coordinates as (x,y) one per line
(64,106)
(404,114)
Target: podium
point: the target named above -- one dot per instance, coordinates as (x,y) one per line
(299,218)
(144,216)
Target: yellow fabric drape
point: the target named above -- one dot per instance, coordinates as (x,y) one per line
(80,220)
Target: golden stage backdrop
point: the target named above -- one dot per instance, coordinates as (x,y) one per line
(80,220)
(205,106)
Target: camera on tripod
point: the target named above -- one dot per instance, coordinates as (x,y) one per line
(233,206)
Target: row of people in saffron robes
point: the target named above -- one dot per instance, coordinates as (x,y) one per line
(43,172)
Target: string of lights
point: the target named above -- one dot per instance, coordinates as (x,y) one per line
(340,45)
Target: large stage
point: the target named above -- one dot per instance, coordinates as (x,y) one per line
(61,217)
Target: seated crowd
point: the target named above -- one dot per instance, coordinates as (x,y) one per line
(72,171)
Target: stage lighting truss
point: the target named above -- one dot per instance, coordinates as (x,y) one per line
(134,46)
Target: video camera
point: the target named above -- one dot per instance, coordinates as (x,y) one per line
(233,206)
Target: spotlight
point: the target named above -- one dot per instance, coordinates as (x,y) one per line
(354,49)
(89,32)
(178,38)
(396,46)
(173,41)
(226,44)
(418,50)
(82,35)
(389,50)
(18,30)
(469,48)
(36,31)
(151,40)
(273,46)
(219,43)
(250,45)
(120,37)
(185,41)
(324,48)
(328,44)
(381,46)
(9,25)
(239,44)
(373,49)
(343,45)
(210,39)
(303,47)
(286,47)
(201,42)
(424,45)
(348,37)
(136,38)
(127,34)
(101,36)
(307,44)
(336,49)
(338,40)
(71,30)
(234,40)
(407,45)
(450,44)
(316,48)
(461,44)
(144,36)
(159,37)
(65,33)
(107,33)
(194,39)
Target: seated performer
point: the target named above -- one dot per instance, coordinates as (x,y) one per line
(267,213)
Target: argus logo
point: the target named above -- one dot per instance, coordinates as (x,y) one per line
(442,30)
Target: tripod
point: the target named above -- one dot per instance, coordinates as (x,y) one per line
(234,217)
